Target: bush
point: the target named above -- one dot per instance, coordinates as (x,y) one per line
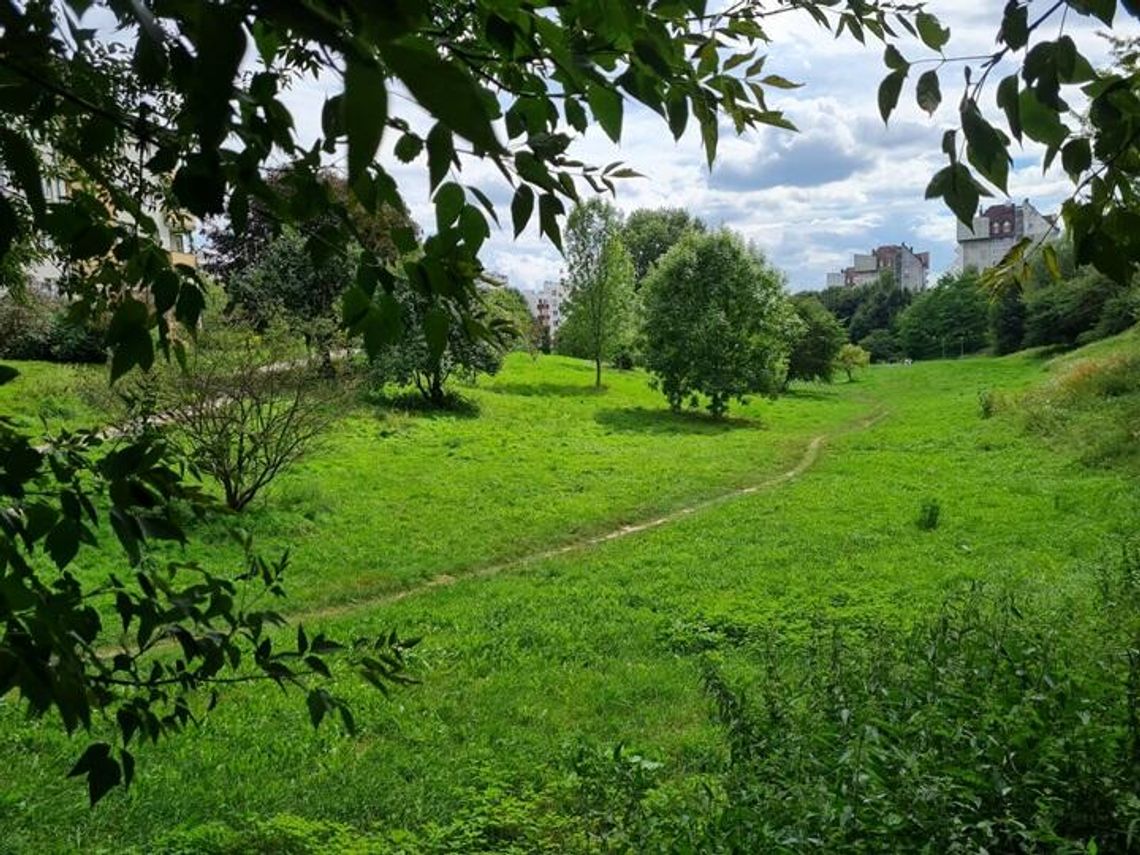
(34,326)
(882,346)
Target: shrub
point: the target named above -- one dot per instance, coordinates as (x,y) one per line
(928,515)
(852,357)
(35,326)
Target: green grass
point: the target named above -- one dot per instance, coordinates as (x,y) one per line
(46,392)
(521,668)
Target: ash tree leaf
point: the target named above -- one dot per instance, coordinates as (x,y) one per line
(928,92)
(443,89)
(101,769)
(576,114)
(365,108)
(473,226)
(677,109)
(889,91)
(606,105)
(778,82)
(522,205)
(1049,253)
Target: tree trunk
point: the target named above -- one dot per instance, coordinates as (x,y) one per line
(598,372)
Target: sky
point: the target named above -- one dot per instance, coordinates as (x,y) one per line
(843,184)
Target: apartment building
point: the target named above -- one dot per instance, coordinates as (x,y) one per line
(996,230)
(909,268)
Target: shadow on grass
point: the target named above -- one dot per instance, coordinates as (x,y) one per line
(454,405)
(810,393)
(547,390)
(641,420)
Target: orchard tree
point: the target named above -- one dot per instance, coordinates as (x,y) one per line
(717,323)
(817,344)
(648,233)
(599,307)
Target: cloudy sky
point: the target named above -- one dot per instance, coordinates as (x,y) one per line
(843,184)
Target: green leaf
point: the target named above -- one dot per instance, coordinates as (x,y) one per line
(957,187)
(521,207)
(1049,253)
(895,60)
(931,31)
(21,161)
(779,82)
(889,91)
(606,105)
(1008,99)
(408,147)
(986,146)
(1015,25)
(101,769)
(365,112)
(449,201)
(441,153)
(10,226)
(1040,122)
(576,114)
(549,209)
(473,226)
(928,92)
(436,325)
(1076,157)
(677,109)
(442,88)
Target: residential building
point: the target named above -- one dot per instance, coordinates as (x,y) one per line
(909,268)
(996,230)
(546,305)
(174,232)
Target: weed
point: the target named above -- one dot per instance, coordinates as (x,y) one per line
(929,515)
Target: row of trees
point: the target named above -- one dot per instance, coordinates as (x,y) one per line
(1058,303)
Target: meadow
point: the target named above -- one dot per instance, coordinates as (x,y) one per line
(563,676)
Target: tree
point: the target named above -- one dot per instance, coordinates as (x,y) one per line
(648,233)
(881,345)
(717,322)
(1007,320)
(949,319)
(510,305)
(245,412)
(880,304)
(818,344)
(852,357)
(598,310)
(429,352)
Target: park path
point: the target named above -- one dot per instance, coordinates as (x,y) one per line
(806,461)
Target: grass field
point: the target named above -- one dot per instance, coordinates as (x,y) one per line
(529,667)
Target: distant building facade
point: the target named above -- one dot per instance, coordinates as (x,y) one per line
(909,268)
(996,230)
(175,231)
(546,305)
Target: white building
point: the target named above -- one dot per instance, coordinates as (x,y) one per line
(909,268)
(995,231)
(546,305)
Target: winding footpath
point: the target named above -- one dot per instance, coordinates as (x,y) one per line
(806,461)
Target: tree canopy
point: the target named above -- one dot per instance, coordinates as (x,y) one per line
(648,233)
(717,322)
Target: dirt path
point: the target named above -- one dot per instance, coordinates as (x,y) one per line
(806,461)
